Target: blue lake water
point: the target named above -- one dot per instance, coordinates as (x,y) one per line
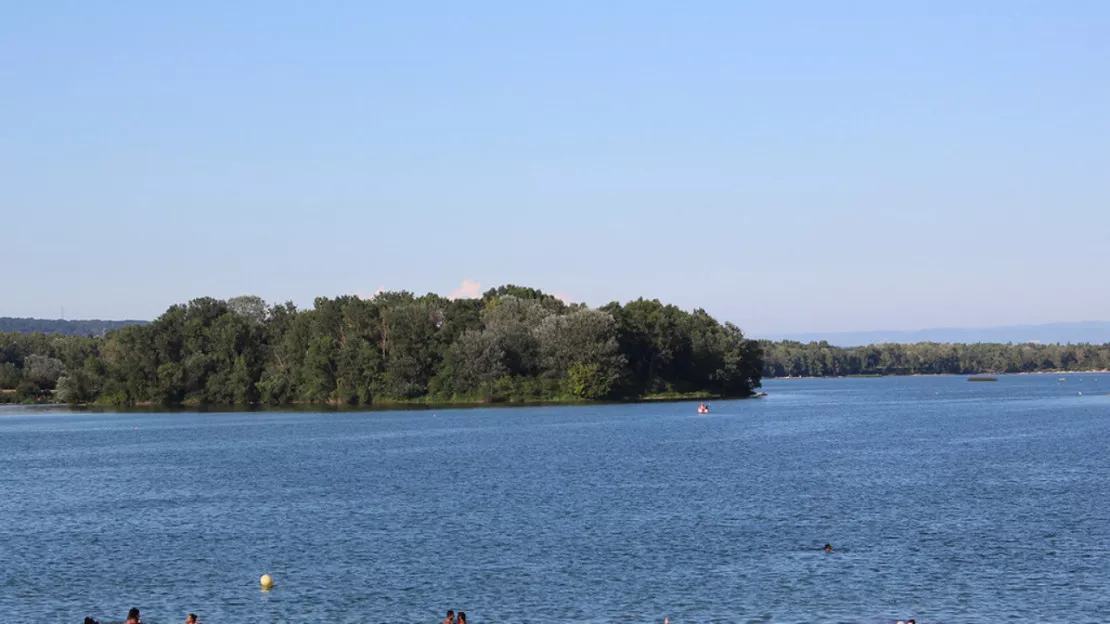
(944,500)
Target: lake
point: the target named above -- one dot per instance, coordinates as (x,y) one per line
(944,501)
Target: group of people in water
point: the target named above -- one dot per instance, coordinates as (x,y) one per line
(452,617)
(134,618)
(455,618)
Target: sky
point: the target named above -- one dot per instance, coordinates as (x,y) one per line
(788,166)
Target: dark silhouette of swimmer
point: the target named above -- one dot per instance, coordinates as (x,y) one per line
(828,547)
(89,620)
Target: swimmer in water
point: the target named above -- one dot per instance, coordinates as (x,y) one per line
(828,547)
(191,618)
(450,617)
(133,616)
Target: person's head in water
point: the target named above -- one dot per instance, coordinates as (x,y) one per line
(89,620)
(133,616)
(191,618)
(450,617)
(462,618)
(828,547)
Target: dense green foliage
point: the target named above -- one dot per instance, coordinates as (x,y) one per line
(819,359)
(513,344)
(64,328)
(31,365)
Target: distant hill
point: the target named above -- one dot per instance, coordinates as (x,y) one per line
(58,326)
(1094,332)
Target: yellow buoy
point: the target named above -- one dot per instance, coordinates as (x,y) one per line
(267,582)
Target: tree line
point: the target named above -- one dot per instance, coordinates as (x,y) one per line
(820,359)
(63,327)
(514,344)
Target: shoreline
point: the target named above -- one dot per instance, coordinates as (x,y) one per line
(386,405)
(1061,373)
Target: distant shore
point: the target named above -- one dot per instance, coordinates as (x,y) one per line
(1049,372)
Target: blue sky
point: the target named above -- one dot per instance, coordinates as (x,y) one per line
(790,166)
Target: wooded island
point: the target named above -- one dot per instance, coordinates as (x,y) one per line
(514,344)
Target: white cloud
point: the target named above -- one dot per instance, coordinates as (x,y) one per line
(469,289)
(362,294)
